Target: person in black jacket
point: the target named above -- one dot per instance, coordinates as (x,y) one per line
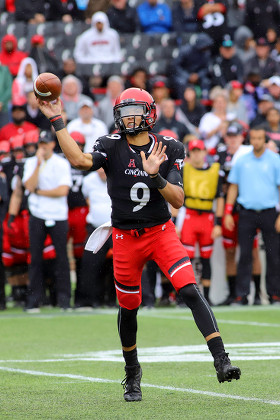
(122,17)
(192,70)
(260,15)
(226,66)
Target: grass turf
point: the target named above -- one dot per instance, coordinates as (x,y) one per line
(54,343)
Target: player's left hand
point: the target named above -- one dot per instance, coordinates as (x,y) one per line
(157,156)
(216,232)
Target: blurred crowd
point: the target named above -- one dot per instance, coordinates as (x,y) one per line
(220,80)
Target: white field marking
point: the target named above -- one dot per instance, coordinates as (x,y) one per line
(193,353)
(144,385)
(220,321)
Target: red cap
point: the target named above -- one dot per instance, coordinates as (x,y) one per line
(235,84)
(16,142)
(4,146)
(31,137)
(196,144)
(78,137)
(37,39)
(168,133)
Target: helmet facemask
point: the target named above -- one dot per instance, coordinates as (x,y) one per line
(132,110)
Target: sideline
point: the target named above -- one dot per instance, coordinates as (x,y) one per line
(162,387)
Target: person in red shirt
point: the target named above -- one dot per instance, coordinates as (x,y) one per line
(10,56)
(19,125)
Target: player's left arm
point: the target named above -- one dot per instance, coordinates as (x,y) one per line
(172,193)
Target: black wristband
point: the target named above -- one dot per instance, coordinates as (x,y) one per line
(57,122)
(218,221)
(158,182)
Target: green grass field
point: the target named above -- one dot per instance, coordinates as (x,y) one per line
(69,366)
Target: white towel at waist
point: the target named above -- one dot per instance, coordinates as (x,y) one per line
(98,238)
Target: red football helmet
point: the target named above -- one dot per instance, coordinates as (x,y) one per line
(135,102)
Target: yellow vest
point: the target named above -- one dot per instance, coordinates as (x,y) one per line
(200,186)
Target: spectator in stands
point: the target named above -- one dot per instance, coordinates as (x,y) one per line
(212,20)
(273,87)
(260,15)
(48,178)
(99,44)
(213,124)
(160,91)
(96,6)
(138,78)
(19,125)
(226,66)
(194,71)
(244,44)
(104,109)
(23,83)
(69,67)
(168,120)
(10,56)
(184,18)
(5,93)
(91,290)
(191,110)
(90,127)
(33,114)
(65,10)
(272,125)
(122,17)
(32,11)
(236,102)
(71,95)
(265,103)
(275,53)
(154,17)
(262,62)
(46,62)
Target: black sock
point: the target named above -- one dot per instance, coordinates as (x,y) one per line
(216,346)
(130,357)
(231,285)
(257,281)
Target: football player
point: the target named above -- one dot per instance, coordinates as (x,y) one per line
(143,175)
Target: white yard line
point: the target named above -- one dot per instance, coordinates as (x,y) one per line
(144,385)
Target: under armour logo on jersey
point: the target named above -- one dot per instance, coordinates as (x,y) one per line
(132,163)
(119,236)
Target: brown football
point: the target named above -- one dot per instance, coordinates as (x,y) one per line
(47,87)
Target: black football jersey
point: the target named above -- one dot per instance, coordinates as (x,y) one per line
(135,203)
(75,196)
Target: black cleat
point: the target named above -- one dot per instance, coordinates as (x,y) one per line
(131,383)
(225,371)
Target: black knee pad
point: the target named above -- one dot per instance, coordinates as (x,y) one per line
(206,268)
(191,295)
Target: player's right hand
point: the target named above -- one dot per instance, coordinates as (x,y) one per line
(50,109)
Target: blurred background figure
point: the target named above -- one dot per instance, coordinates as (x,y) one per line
(122,17)
(5,93)
(71,95)
(154,17)
(46,62)
(104,109)
(10,56)
(96,286)
(99,44)
(87,124)
(23,83)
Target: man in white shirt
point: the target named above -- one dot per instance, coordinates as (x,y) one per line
(47,177)
(90,127)
(96,268)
